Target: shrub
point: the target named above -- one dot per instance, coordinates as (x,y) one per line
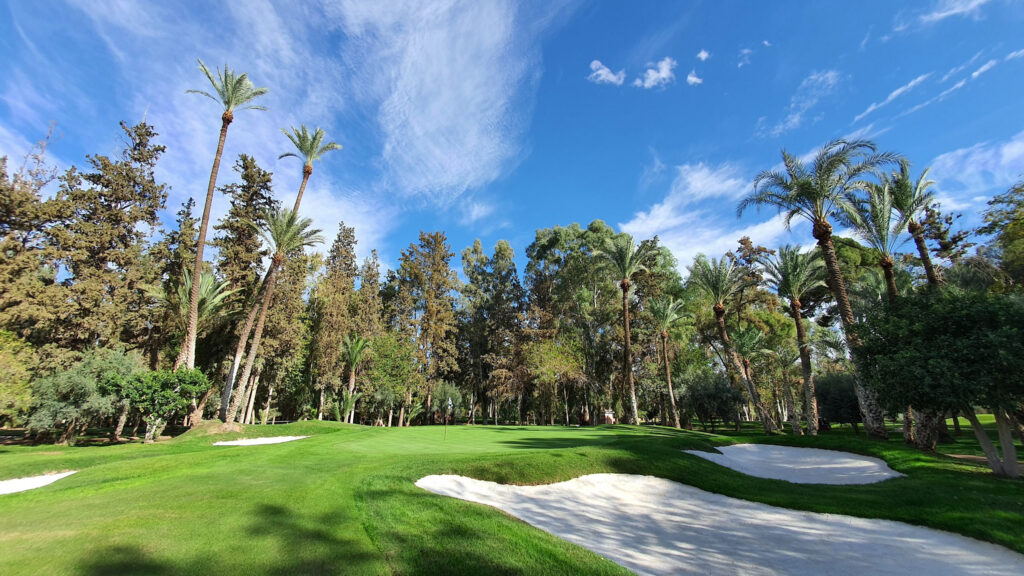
(837,400)
(710,396)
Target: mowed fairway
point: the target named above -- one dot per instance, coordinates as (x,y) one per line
(343,500)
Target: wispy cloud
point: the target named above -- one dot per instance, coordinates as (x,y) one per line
(811,90)
(601,74)
(476,210)
(949,8)
(958,69)
(652,172)
(692,184)
(744,57)
(893,95)
(984,68)
(703,55)
(692,79)
(766,43)
(1015,55)
(964,175)
(658,74)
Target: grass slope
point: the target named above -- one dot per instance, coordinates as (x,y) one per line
(343,500)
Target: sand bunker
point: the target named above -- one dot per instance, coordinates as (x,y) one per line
(656,526)
(800,465)
(258,441)
(22,484)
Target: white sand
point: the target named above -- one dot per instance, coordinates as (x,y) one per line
(656,526)
(22,484)
(258,441)
(800,465)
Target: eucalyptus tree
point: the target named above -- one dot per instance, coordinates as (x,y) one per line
(718,280)
(668,313)
(875,220)
(232,91)
(352,350)
(310,146)
(911,199)
(286,234)
(814,193)
(625,259)
(793,274)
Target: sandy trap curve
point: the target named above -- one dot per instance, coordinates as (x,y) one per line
(30,482)
(259,441)
(656,526)
(800,465)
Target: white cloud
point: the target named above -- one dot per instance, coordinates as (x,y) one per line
(942,96)
(744,57)
(947,8)
(958,69)
(766,43)
(1015,55)
(658,75)
(982,170)
(984,68)
(692,79)
(476,210)
(893,95)
(810,91)
(653,171)
(693,183)
(601,74)
(703,55)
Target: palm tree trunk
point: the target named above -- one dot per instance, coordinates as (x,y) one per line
(794,420)
(755,396)
(320,406)
(350,417)
(870,409)
(307,170)
(258,332)
(266,407)
(243,339)
(187,355)
(251,404)
(890,279)
(668,379)
(627,355)
(810,398)
(195,416)
(121,419)
(917,232)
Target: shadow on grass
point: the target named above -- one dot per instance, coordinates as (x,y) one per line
(125,559)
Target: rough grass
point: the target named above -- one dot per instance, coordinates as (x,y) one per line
(343,500)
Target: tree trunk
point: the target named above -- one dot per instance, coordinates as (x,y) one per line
(350,417)
(565,396)
(668,379)
(734,358)
(307,171)
(927,432)
(810,398)
(320,407)
(187,355)
(910,423)
(890,279)
(627,353)
(867,399)
(794,420)
(153,429)
(195,416)
(121,419)
(243,339)
(1004,424)
(250,406)
(258,331)
(917,232)
(998,466)
(266,408)
(391,411)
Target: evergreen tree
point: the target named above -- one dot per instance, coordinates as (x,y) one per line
(333,309)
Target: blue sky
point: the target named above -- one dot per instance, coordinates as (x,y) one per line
(490,119)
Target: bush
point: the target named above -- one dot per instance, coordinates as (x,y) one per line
(159,394)
(837,400)
(710,396)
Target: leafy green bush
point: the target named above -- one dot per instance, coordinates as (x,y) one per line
(159,394)
(710,396)
(837,400)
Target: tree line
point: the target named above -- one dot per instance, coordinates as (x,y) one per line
(108,318)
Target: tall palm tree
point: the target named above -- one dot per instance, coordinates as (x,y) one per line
(212,296)
(718,280)
(668,313)
(310,147)
(285,233)
(875,220)
(624,258)
(814,194)
(793,274)
(233,91)
(352,350)
(911,198)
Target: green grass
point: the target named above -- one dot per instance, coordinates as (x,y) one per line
(343,501)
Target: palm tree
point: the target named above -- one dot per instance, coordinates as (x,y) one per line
(232,91)
(212,295)
(310,147)
(718,280)
(793,274)
(625,259)
(352,350)
(875,220)
(814,194)
(286,234)
(910,198)
(668,313)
